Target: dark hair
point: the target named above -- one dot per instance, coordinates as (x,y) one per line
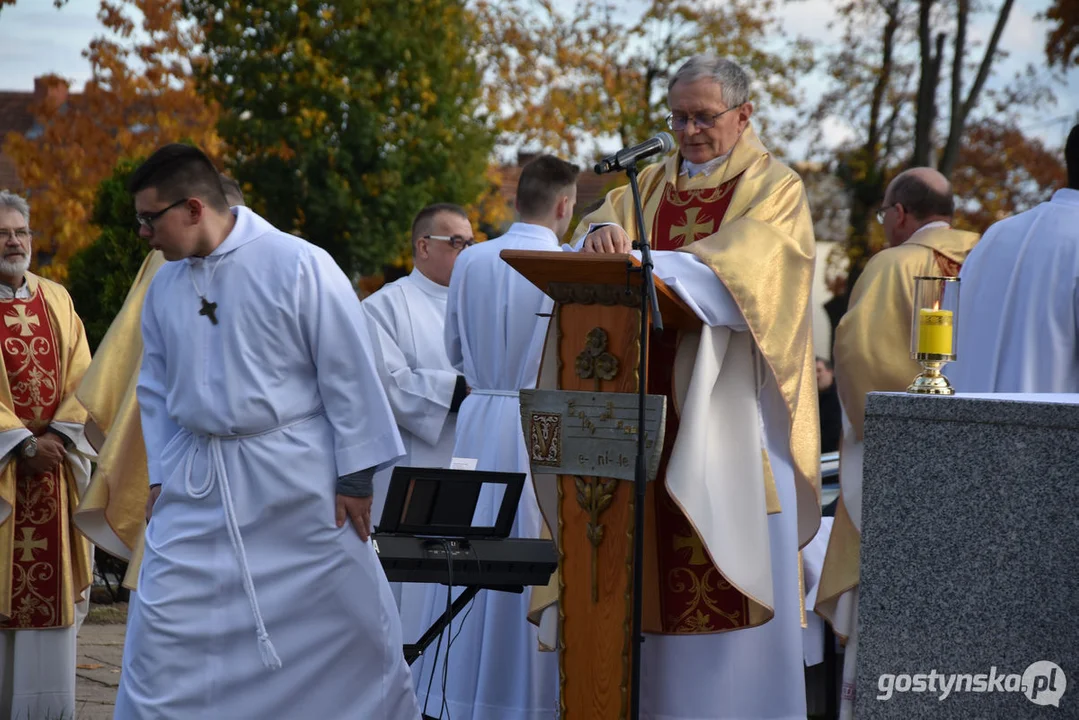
(233,194)
(542,181)
(827,363)
(425,218)
(1071,158)
(179,171)
(921,200)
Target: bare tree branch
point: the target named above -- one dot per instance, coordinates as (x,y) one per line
(928,81)
(883,80)
(961,110)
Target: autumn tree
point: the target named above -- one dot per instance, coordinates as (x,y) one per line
(963,96)
(1062,45)
(897,60)
(140,95)
(100,274)
(346,119)
(1001,171)
(564,79)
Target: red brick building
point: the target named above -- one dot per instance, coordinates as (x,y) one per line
(16,116)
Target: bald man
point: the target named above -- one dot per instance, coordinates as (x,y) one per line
(872,354)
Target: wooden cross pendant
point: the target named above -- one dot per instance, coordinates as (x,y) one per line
(209,309)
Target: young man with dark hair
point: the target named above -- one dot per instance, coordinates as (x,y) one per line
(262,414)
(113,510)
(496,323)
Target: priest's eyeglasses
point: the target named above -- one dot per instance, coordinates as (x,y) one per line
(146,220)
(703,121)
(23,234)
(457,242)
(883,212)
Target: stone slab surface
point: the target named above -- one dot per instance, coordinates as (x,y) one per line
(97,672)
(970,559)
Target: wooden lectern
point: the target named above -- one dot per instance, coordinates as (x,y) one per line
(596,326)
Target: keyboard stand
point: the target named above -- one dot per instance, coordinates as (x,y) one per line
(416,649)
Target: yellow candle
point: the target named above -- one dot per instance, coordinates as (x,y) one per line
(935,332)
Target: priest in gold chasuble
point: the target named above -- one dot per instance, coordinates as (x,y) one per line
(872,354)
(45,566)
(113,511)
(738,489)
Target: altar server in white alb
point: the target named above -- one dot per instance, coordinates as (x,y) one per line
(407,319)
(1019,299)
(496,324)
(264,420)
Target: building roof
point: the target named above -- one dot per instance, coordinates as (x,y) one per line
(15,116)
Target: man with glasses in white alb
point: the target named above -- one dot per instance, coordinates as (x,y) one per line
(406,319)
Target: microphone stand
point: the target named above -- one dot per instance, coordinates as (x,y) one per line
(649,302)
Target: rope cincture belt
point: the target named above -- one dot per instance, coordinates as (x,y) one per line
(496,393)
(216,474)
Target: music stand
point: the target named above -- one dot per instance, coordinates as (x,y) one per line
(440,503)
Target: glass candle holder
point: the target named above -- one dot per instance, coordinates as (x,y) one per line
(933,332)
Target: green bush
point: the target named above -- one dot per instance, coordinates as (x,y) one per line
(100,275)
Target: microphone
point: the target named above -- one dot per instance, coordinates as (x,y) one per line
(627,157)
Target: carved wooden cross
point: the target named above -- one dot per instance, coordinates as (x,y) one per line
(209,309)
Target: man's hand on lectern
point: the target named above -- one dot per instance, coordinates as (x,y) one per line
(607,239)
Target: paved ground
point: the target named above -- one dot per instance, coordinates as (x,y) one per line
(98,671)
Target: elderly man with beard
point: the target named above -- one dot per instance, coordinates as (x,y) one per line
(45,569)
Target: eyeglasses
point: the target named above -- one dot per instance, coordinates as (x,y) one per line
(146,220)
(457,242)
(23,234)
(884,211)
(703,121)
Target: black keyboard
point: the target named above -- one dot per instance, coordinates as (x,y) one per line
(490,563)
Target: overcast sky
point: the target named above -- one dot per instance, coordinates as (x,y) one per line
(36,39)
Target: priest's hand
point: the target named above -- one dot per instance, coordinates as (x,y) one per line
(607,239)
(358,510)
(155,492)
(50,453)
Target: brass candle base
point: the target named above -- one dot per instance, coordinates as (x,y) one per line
(931,381)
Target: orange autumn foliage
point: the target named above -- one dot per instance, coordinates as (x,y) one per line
(141,95)
(1062,45)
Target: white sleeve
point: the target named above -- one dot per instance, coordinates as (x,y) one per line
(699,287)
(420,397)
(364,430)
(157,427)
(9,440)
(451,334)
(76,433)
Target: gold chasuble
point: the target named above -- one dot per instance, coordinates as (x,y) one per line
(44,561)
(112,513)
(749,221)
(872,354)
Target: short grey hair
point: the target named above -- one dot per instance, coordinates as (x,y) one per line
(732,79)
(12,201)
